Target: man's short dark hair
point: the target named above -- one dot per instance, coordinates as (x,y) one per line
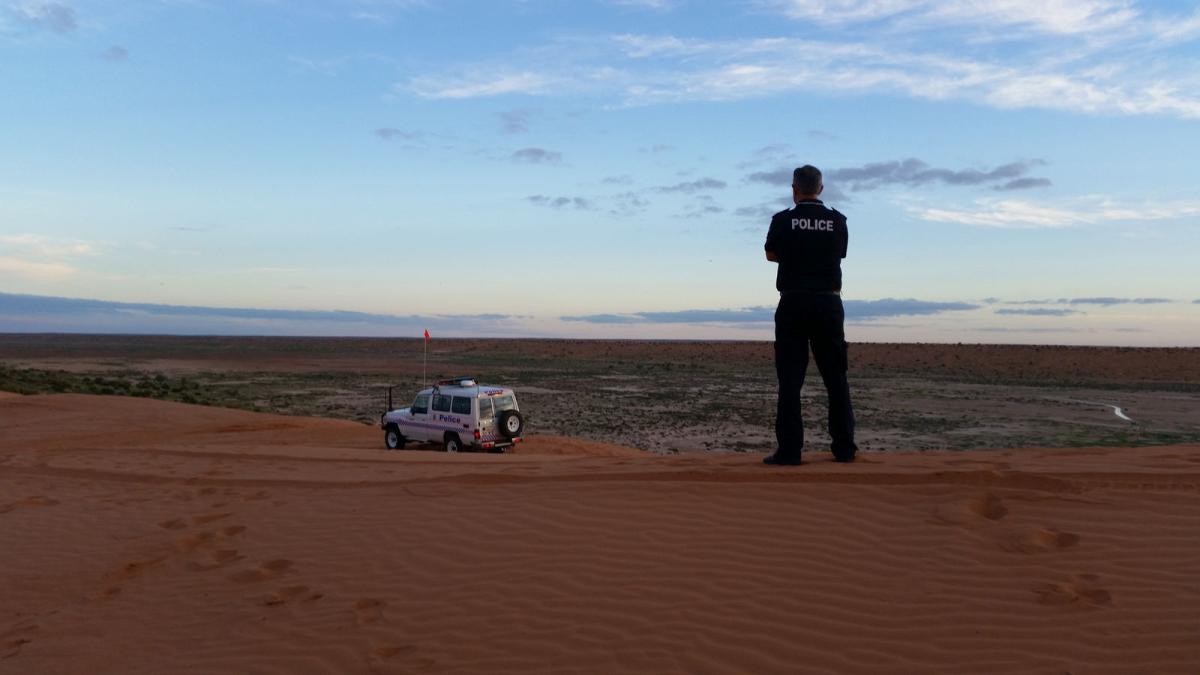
(807,179)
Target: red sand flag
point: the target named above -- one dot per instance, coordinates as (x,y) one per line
(427,335)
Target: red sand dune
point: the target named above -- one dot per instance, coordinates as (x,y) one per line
(141,536)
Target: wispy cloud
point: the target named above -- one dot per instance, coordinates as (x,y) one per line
(577,203)
(692,186)
(514,121)
(856,310)
(44,246)
(1108,301)
(1105,301)
(536,156)
(1023,184)
(43,258)
(656,5)
(1016,214)
(482,84)
(759,211)
(40,313)
(650,69)
(910,172)
(33,270)
(913,172)
(392,133)
(1063,17)
(115,53)
(1036,311)
(58,17)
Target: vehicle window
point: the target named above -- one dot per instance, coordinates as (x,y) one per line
(485,409)
(421,404)
(441,403)
(461,405)
(503,403)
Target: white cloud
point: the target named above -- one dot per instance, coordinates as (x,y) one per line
(657,5)
(40,258)
(58,17)
(643,70)
(1017,214)
(37,245)
(1050,16)
(487,84)
(35,271)
(1068,17)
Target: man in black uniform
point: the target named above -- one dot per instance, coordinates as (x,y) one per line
(808,242)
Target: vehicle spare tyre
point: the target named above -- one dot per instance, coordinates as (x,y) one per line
(511,423)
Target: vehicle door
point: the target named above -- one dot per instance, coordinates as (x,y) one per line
(487,419)
(416,426)
(460,408)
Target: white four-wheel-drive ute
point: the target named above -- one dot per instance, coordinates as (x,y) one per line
(460,414)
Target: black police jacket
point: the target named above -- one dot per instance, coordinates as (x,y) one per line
(809,242)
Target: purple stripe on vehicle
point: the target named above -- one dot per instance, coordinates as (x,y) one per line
(428,426)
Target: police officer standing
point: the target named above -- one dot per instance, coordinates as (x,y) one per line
(808,242)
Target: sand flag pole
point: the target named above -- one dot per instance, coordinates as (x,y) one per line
(425,361)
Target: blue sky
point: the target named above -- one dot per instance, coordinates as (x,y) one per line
(1012,171)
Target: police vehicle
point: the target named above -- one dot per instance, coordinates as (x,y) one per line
(460,414)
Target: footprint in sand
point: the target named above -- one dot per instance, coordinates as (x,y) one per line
(135,569)
(191,542)
(368,610)
(1040,541)
(1053,539)
(291,594)
(216,560)
(209,517)
(37,500)
(389,652)
(264,572)
(173,524)
(261,494)
(12,640)
(1081,590)
(988,506)
(107,593)
(406,652)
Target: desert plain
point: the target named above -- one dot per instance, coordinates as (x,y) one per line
(225,505)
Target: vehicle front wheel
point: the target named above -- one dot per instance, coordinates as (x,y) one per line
(393,439)
(452,443)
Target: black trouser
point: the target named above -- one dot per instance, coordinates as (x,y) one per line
(816,319)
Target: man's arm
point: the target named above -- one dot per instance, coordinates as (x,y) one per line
(772,241)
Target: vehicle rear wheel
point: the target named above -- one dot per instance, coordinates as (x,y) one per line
(393,439)
(452,443)
(511,423)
